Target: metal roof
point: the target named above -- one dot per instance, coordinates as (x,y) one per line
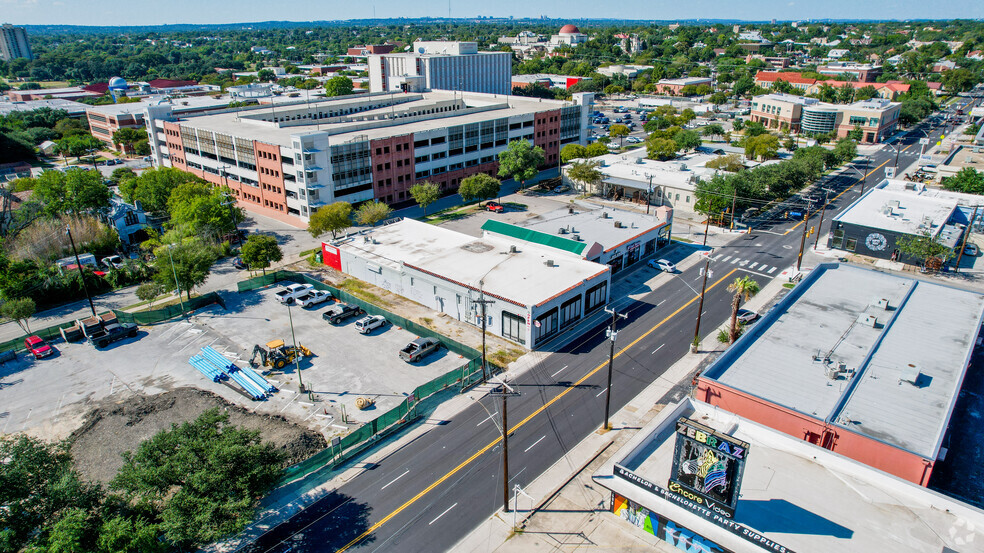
(534,236)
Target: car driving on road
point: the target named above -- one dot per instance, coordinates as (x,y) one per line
(662,265)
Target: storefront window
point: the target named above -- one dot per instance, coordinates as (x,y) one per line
(570,311)
(513,327)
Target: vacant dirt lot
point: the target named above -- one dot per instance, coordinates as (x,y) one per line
(120,425)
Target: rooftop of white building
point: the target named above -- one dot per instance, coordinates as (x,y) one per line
(73,108)
(878,354)
(369,116)
(796,495)
(905,207)
(633,168)
(190,103)
(521,276)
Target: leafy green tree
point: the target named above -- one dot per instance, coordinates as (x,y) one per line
(585,172)
(70,532)
(425,193)
(687,140)
(660,148)
(121,534)
(968,180)
(572,151)
(712,130)
(713,196)
(856,133)
(122,173)
(618,131)
(827,93)
(205,477)
(780,85)
(924,248)
(332,218)
(479,186)
(204,209)
(763,146)
(19,310)
(127,136)
(338,86)
(743,288)
(154,186)
(753,129)
(370,213)
(595,149)
(520,161)
(738,124)
(265,76)
(149,291)
(865,93)
(959,80)
(78,145)
(189,262)
(74,191)
(260,251)
(731,163)
(845,150)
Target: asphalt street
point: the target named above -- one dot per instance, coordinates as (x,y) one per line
(445,482)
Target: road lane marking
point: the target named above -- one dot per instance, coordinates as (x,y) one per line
(772,270)
(534,444)
(601,392)
(752,266)
(558,372)
(483,420)
(442,514)
(657,349)
(735,260)
(725,259)
(395,479)
(522,423)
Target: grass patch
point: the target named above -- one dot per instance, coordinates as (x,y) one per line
(427,321)
(451,214)
(789,285)
(503,358)
(687,240)
(516,205)
(358,288)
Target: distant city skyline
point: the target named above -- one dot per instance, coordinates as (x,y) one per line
(120,12)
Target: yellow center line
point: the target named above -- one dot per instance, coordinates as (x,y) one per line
(518,425)
(872,172)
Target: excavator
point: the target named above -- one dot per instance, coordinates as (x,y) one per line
(276,354)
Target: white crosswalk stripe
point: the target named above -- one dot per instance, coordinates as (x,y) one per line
(771,270)
(726,258)
(735,260)
(752,266)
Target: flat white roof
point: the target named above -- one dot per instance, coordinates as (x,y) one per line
(798,495)
(177,105)
(590,223)
(522,277)
(920,209)
(789,357)
(678,173)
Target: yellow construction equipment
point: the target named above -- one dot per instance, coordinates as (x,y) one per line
(276,354)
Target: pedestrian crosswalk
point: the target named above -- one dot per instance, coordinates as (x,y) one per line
(745,263)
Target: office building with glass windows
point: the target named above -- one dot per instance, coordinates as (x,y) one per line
(876,118)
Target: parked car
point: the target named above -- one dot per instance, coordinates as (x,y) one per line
(38,347)
(292,291)
(111,333)
(494,207)
(746,316)
(148,159)
(112,262)
(633,140)
(366,325)
(314,297)
(238,263)
(971,250)
(419,348)
(662,265)
(341,311)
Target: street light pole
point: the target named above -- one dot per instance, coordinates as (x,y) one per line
(649,196)
(78,263)
(483,302)
(612,333)
(806,223)
(297,355)
(734,198)
(505,393)
(823,210)
(864,177)
(175,273)
(700,305)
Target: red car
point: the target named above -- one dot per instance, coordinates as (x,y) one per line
(38,347)
(495,207)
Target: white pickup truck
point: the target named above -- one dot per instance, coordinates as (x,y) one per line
(292,291)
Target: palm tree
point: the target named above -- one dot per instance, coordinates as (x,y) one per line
(743,287)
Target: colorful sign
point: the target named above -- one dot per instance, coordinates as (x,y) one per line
(663,528)
(707,467)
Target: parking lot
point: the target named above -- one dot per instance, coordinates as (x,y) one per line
(50,397)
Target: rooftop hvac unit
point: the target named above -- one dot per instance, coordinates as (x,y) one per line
(577,237)
(570,211)
(883,303)
(604,214)
(572,229)
(512,249)
(683,166)
(618,224)
(868,320)
(562,230)
(550,263)
(895,204)
(910,374)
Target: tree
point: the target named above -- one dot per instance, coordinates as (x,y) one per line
(687,140)
(205,477)
(260,251)
(572,151)
(338,86)
(618,131)
(763,146)
(845,93)
(520,161)
(149,291)
(731,163)
(122,173)
(712,130)
(74,191)
(743,288)
(19,310)
(266,76)
(205,209)
(753,128)
(370,213)
(585,172)
(188,262)
(780,85)
(856,133)
(332,218)
(845,150)
(959,80)
(738,124)
(126,137)
(425,193)
(479,186)
(968,180)
(865,93)
(660,148)
(78,145)
(924,248)
(154,186)
(595,149)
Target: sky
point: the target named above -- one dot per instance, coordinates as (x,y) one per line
(142,12)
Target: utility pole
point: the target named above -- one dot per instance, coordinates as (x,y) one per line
(505,392)
(963,243)
(707,226)
(898,150)
(700,305)
(649,196)
(612,333)
(864,177)
(175,273)
(78,263)
(823,210)
(734,198)
(297,353)
(806,223)
(483,302)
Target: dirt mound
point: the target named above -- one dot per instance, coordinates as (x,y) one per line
(115,427)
